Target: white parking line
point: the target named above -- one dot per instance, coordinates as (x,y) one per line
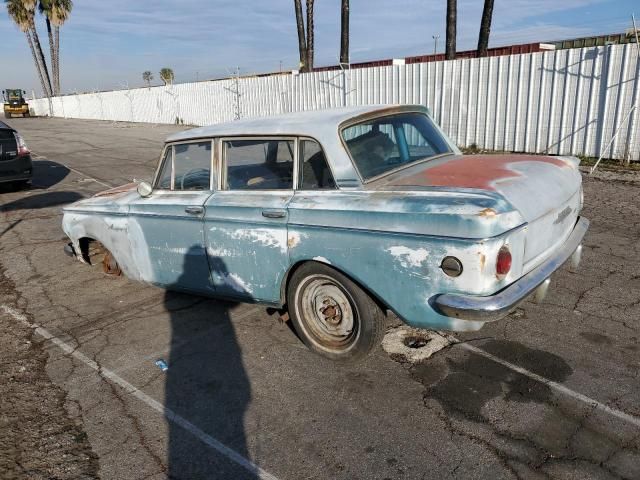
(635,421)
(151,402)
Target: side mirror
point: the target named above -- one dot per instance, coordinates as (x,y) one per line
(144,189)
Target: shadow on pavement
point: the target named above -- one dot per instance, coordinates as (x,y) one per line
(46,173)
(41,200)
(206,384)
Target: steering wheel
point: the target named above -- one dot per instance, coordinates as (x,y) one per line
(190,172)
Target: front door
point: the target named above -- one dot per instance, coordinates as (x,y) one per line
(171,220)
(246,221)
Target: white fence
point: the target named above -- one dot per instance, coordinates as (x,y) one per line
(567,102)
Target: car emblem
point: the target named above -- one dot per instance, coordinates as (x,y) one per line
(562,215)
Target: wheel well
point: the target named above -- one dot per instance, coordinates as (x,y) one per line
(285,284)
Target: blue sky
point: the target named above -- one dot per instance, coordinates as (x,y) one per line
(107,45)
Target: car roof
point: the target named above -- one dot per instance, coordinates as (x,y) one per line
(316,124)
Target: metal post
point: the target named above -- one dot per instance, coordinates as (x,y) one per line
(435,43)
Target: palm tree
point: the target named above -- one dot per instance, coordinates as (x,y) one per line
(302,42)
(147,77)
(344,32)
(56,13)
(452,18)
(310,34)
(485,28)
(22,13)
(166,75)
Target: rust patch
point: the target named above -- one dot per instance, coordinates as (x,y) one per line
(474,171)
(487,212)
(114,191)
(483,260)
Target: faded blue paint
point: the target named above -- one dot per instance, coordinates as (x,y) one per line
(388,236)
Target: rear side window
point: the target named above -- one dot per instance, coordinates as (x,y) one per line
(8,145)
(263,164)
(314,169)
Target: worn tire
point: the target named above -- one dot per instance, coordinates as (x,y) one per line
(7,115)
(332,315)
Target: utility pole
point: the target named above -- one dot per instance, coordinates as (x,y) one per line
(435,43)
(236,91)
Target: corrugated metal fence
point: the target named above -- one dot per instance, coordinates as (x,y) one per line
(558,102)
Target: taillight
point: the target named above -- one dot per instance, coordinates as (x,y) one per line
(503,264)
(22,146)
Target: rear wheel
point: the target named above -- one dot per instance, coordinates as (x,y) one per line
(7,115)
(332,315)
(27,114)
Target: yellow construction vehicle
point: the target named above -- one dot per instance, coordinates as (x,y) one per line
(14,103)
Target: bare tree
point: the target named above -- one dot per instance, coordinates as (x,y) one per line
(344,32)
(310,35)
(452,18)
(302,42)
(485,28)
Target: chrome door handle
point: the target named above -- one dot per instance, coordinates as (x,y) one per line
(276,213)
(194,210)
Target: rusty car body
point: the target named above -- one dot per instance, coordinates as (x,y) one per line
(342,215)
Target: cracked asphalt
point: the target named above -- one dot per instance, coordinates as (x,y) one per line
(238,376)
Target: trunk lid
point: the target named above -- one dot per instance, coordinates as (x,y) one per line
(545,190)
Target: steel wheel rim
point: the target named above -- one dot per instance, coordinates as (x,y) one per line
(327,313)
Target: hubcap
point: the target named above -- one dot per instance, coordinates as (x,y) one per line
(327,311)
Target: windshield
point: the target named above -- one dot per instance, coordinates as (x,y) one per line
(14,94)
(380,145)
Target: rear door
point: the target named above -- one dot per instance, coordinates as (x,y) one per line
(246,219)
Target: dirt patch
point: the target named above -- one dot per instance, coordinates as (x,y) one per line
(38,437)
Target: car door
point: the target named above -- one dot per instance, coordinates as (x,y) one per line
(170,220)
(246,219)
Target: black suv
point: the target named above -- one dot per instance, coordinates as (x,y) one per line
(15,159)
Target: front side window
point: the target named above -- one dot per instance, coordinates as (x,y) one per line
(382,144)
(259,164)
(186,166)
(314,169)
(192,166)
(164,176)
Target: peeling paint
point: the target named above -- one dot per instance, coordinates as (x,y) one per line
(293,239)
(322,259)
(408,257)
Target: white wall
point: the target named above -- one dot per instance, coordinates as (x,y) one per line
(560,102)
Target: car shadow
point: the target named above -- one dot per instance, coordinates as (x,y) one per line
(46,173)
(41,200)
(206,385)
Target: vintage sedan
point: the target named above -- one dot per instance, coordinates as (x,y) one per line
(341,216)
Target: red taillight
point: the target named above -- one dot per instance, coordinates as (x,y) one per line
(503,265)
(22,147)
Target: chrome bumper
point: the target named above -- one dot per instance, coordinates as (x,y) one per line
(497,306)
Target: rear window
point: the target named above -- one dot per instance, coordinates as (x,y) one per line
(380,145)
(8,146)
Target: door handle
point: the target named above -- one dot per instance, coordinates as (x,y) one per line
(194,210)
(275,213)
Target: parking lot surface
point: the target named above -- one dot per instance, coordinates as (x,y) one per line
(550,391)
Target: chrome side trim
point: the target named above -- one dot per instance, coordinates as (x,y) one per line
(497,306)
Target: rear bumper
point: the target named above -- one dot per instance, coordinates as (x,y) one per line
(17,169)
(497,306)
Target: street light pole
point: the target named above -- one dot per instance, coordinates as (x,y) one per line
(435,43)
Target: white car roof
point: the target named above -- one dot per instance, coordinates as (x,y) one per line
(319,124)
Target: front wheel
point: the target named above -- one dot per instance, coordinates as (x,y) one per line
(332,315)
